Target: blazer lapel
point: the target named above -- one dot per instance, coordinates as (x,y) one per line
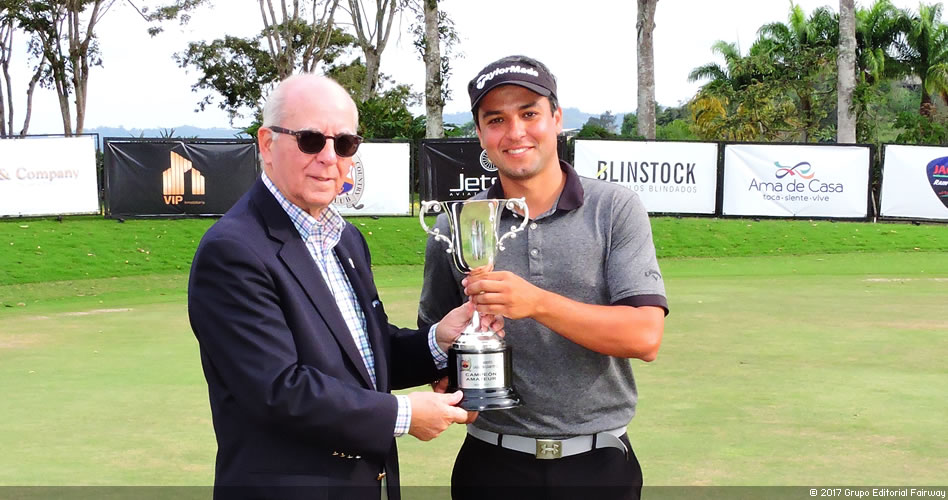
(357,269)
(297,259)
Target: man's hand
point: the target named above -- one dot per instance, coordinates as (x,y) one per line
(432,413)
(502,293)
(453,323)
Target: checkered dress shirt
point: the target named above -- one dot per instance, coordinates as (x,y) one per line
(321,236)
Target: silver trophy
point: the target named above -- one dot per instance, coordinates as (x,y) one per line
(479,362)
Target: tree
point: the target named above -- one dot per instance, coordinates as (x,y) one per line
(925,51)
(65,34)
(9,25)
(803,57)
(846,73)
(386,116)
(742,101)
(434,29)
(644,27)
(592,130)
(294,42)
(878,28)
(630,125)
(242,71)
(371,36)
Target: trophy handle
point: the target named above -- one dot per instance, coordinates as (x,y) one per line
(511,203)
(436,206)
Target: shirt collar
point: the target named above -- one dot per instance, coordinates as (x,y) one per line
(326,229)
(570,198)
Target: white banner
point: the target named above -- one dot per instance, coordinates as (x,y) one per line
(915,182)
(48,176)
(378,181)
(788,180)
(669,177)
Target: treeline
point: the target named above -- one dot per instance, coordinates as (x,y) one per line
(342,38)
(785,87)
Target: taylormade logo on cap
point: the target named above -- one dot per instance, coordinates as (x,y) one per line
(486,77)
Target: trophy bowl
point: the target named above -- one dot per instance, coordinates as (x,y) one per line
(479,362)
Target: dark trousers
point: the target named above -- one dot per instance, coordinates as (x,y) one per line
(484,470)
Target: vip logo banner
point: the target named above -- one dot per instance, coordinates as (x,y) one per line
(669,177)
(177,177)
(48,176)
(915,182)
(378,182)
(785,180)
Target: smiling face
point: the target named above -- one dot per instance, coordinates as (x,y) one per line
(518,131)
(309,181)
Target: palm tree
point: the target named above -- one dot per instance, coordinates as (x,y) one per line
(645,26)
(925,52)
(878,28)
(804,52)
(846,73)
(740,101)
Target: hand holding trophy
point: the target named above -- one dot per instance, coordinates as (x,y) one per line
(479,362)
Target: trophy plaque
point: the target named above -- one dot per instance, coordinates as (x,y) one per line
(479,362)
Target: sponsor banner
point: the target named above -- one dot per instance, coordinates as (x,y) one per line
(177,177)
(787,180)
(915,182)
(48,176)
(378,182)
(456,169)
(669,177)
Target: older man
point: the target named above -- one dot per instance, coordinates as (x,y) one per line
(296,346)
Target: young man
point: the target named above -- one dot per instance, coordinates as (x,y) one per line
(582,292)
(296,346)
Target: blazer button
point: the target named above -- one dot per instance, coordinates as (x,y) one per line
(381,475)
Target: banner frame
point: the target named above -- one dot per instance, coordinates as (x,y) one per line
(871,209)
(100,192)
(719,170)
(107,156)
(894,218)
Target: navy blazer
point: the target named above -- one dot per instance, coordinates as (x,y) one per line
(293,406)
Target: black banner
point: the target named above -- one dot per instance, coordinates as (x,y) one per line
(456,169)
(169,177)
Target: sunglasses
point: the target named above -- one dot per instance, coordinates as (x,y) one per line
(312,142)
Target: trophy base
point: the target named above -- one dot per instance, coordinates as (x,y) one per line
(488,399)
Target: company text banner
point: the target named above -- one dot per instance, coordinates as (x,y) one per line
(915,182)
(378,182)
(669,177)
(177,177)
(456,169)
(787,180)
(48,176)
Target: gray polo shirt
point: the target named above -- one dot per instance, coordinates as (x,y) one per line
(595,246)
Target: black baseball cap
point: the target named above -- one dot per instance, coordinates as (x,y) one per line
(516,70)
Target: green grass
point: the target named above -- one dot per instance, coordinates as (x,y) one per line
(38,250)
(797,352)
(775,370)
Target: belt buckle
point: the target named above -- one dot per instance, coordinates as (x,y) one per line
(548,449)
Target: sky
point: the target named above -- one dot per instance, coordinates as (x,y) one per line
(591,50)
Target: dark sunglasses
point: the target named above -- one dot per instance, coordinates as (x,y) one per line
(312,142)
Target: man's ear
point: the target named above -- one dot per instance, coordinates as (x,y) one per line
(265,143)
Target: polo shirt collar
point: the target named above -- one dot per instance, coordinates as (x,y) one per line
(570,198)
